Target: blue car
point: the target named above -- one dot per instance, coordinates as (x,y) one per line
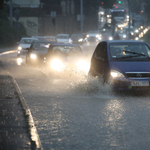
(123,63)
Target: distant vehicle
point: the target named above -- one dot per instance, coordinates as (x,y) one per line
(77,38)
(124,64)
(93,38)
(119,14)
(37,51)
(96,34)
(45,38)
(65,58)
(122,34)
(24,43)
(63,38)
(107,36)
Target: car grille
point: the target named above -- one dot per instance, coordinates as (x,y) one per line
(138,75)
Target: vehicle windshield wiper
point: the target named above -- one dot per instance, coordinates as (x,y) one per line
(136,53)
(127,57)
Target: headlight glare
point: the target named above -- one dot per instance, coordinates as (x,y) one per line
(33,56)
(19,48)
(80,40)
(124,36)
(110,38)
(83,65)
(56,64)
(116,74)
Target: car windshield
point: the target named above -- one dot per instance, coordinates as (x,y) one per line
(129,51)
(75,36)
(67,50)
(26,41)
(121,31)
(40,46)
(62,37)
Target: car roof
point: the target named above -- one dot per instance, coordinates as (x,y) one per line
(123,41)
(63,34)
(44,41)
(28,38)
(59,44)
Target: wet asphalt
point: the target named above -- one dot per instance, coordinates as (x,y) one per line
(75,112)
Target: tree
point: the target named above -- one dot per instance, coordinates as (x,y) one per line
(3,3)
(147,8)
(137,8)
(92,6)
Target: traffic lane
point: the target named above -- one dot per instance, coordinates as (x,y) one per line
(81,114)
(8,49)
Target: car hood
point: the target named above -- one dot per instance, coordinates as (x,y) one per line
(40,52)
(130,66)
(25,45)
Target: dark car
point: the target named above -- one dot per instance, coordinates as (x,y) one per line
(77,38)
(124,64)
(65,57)
(37,51)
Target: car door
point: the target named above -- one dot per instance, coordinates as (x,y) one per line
(99,61)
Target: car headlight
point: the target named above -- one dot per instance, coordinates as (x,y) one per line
(124,36)
(136,38)
(116,74)
(19,48)
(110,38)
(97,36)
(33,56)
(83,65)
(80,40)
(56,64)
(70,41)
(119,26)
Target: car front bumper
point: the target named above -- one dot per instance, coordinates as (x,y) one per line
(128,84)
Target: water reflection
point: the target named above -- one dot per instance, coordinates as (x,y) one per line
(19,61)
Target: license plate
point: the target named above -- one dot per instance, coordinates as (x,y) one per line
(140,83)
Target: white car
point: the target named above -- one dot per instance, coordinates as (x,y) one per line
(24,43)
(122,34)
(63,38)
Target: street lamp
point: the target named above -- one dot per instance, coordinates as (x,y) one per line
(129,20)
(81,15)
(11,14)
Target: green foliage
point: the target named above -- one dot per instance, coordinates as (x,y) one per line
(3,3)
(138,6)
(8,33)
(92,6)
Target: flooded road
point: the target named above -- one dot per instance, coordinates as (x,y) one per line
(80,113)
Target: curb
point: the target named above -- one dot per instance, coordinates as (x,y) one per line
(35,140)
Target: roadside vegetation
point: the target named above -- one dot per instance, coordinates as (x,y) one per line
(8,33)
